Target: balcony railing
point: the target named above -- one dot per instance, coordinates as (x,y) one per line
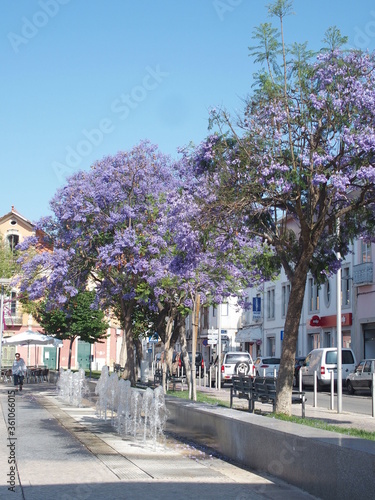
(363,274)
(15,320)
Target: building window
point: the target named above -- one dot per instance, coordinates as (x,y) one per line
(327,294)
(285,293)
(224,309)
(271,303)
(13,240)
(345,292)
(313,341)
(313,296)
(365,252)
(327,339)
(271,346)
(13,304)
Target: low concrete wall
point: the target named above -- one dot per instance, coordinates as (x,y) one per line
(325,464)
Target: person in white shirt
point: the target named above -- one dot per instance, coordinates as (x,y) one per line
(18,371)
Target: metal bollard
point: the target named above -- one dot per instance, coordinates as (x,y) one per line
(332,398)
(373,394)
(315,389)
(300,380)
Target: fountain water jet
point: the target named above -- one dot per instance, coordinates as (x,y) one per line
(72,387)
(135,410)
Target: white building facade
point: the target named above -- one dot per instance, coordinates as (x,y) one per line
(263,328)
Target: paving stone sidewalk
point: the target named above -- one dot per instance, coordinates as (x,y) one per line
(62,452)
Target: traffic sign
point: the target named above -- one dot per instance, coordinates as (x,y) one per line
(212,342)
(212,337)
(213,331)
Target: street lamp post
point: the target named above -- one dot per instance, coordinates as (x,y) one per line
(3,281)
(338,329)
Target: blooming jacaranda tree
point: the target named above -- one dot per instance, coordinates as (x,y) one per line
(198,264)
(297,169)
(104,236)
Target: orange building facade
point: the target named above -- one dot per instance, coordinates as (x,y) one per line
(14,228)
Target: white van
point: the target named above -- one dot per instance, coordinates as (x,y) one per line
(323,361)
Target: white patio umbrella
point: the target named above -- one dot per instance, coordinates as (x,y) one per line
(31,338)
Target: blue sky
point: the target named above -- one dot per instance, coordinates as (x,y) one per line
(81,79)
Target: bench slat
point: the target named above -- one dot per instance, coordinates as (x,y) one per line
(261,389)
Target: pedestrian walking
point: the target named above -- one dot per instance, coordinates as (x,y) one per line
(18,371)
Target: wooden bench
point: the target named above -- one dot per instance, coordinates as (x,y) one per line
(263,390)
(171,379)
(176,380)
(242,388)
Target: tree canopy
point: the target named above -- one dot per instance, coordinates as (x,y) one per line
(298,163)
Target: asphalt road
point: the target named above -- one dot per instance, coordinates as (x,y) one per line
(360,402)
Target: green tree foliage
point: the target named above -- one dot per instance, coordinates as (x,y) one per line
(300,159)
(76,318)
(8,260)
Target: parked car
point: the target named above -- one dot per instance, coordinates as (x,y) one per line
(233,363)
(265,367)
(361,378)
(176,361)
(199,363)
(299,360)
(323,361)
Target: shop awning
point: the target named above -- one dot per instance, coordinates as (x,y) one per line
(249,334)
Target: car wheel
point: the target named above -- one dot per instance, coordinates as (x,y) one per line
(242,368)
(319,386)
(349,387)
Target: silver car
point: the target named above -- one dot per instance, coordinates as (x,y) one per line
(267,367)
(361,378)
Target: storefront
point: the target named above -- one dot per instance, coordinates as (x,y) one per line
(251,340)
(324,331)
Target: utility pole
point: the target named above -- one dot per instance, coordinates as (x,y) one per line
(219,345)
(338,329)
(197,303)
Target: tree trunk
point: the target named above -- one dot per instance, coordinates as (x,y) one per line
(180,325)
(167,362)
(127,345)
(139,356)
(165,327)
(289,344)
(70,352)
